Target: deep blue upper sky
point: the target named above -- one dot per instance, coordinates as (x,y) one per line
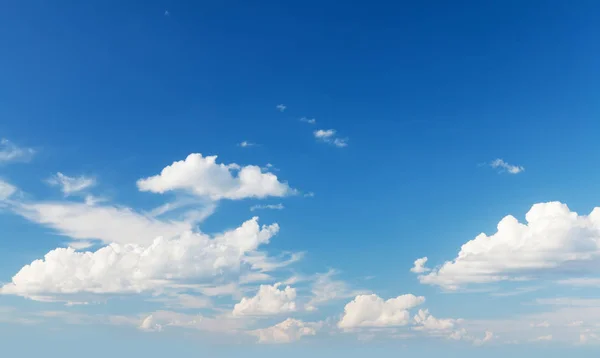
(428,93)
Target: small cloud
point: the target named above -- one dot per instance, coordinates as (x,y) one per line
(310,194)
(543,338)
(503,166)
(246,144)
(271,207)
(71,185)
(308,120)
(419,266)
(10,152)
(167,13)
(270,167)
(281,107)
(329,136)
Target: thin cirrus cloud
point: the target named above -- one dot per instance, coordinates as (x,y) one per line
(330,136)
(204,177)
(246,144)
(267,207)
(71,185)
(281,107)
(503,167)
(553,240)
(308,120)
(10,152)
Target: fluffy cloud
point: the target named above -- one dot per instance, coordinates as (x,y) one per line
(287,331)
(373,311)
(269,300)
(423,320)
(554,240)
(419,266)
(329,136)
(503,166)
(118,268)
(10,152)
(203,177)
(70,185)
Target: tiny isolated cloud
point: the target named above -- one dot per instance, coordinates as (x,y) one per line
(288,331)
(373,311)
(504,167)
(330,136)
(269,300)
(246,144)
(267,207)
(281,107)
(10,152)
(204,177)
(308,120)
(71,185)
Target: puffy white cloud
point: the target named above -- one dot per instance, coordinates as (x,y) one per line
(10,152)
(118,268)
(70,185)
(419,266)
(554,240)
(270,207)
(6,190)
(423,320)
(288,331)
(269,300)
(329,136)
(503,166)
(373,311)
(109,224)
(203,177)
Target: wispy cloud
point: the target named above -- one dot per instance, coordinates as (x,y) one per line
(308,120)
(281,107)
(71,185)
(503,166)
(330,136)
(270,206)
(246,144)
(167,13)
(10,152)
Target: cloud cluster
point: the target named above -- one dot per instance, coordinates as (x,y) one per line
(118,268)
(269,300)
(373,311)
(554,241)
(203,177)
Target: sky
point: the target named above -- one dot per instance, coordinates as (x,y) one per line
(315,178)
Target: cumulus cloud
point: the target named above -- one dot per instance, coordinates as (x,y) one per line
(10,152)
(281,107)
(70,185)
(373,311)
(423,320)
(554,240)
(288,331)
(269,300)
(128,268)
(419,265)
(203,177)
(503,166)
(269,206)
(329,136)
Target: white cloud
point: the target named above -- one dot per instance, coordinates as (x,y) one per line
(308,120)
(246,144)
(581,282)
(270,206)
(281,107)
(269,300)
(6,190)
(109,224)
(329,136)
(288,331)
(203,177)
(326,288)
(10,152)
(503,166)
(162,320)
(543,338)
(423,320)
(118,268)
(553,241)
(71,185)
(373,311)
(419,266)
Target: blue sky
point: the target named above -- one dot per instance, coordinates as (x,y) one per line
(352,142)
